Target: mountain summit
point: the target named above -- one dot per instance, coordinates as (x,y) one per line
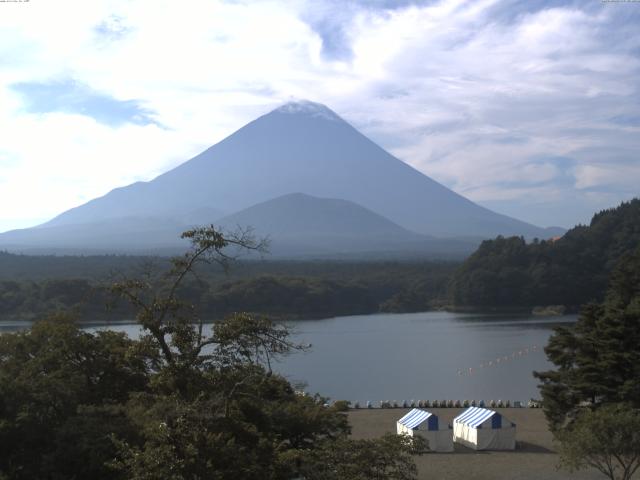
(305,107)
(299,147)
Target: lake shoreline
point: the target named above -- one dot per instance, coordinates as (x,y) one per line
(540,310)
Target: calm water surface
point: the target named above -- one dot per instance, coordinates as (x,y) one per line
(423,356)
(432,355)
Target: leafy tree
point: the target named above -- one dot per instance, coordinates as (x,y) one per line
(216,409)
(607,439)
(598,358)
(389,457)
(592,400)
(61,391)
(215,404)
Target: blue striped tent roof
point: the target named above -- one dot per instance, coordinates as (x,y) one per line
(414,418)
(474,416)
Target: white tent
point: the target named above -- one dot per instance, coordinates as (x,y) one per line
(483,429)
(426,424)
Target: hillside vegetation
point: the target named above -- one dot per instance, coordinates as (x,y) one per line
(33,286)
(570,271)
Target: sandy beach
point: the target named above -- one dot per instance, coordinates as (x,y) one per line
(534,458)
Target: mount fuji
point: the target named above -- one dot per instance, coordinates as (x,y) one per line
(300,147)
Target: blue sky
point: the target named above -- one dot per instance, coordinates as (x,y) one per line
(529,108)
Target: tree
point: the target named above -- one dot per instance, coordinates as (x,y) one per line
(598,358)
(592,400)
(607,439)
(61,394)
(387,458)
(174,325)
(215,408)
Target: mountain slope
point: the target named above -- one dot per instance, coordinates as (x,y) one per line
(302,147)
(113,235)
(298,214)
(303,225)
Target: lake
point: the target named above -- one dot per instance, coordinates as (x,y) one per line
(420,356)
(423,356)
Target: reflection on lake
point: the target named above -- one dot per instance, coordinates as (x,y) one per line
(430,356)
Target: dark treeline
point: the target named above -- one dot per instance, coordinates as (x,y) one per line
(32,286)
(40,267)
(30,300)
(571,271)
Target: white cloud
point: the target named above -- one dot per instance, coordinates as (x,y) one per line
(54,161)
(594,176)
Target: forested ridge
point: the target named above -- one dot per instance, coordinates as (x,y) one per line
(33,286)
(571,270)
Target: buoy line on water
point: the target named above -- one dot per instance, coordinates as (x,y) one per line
(516,354)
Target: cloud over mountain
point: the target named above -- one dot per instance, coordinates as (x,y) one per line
(526,107)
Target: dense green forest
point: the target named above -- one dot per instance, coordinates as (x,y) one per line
(32,286)
(571,271)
